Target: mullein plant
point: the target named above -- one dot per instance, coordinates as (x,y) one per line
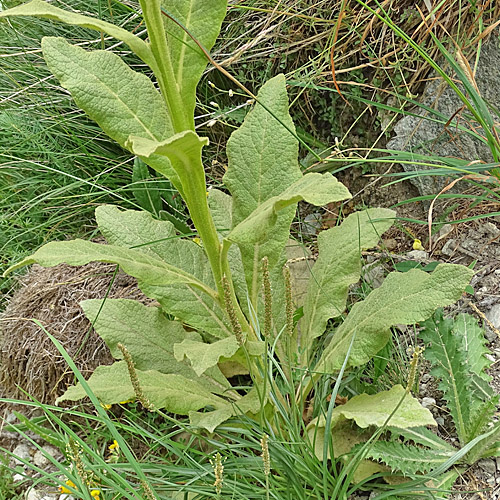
(224,338)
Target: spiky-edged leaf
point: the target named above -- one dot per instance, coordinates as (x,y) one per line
(422,436)
(37,8)
(455,349)
(130,228)
(405,458)
(339,266)
(175,393)
(148,336)
(403,298)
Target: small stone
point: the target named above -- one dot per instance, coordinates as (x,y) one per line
(40,460)
(426,377)
(440,421)
(373,276)
(488,465)
(16,478)
(22,451)
(10,418)
(494,315)
(490,357)
(428,402)
(418,255)
(389,243)
(312,223)
(65,496)
(33,494)
(449,247)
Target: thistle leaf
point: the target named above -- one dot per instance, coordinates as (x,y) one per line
(407,459)
(455,349)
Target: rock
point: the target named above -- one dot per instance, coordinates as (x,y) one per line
(33,494)
(389,243)
(440,421)
(494,315)
(417,134)
(41,459)
(488,465)
(428,402)
(374,276)
(17,478)
(426,377)
(418,255)
(449,247)
(311,224)
(22,451)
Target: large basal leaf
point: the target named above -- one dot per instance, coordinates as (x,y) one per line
(204,356)
(367,411)
(37,8)
(202,19)
(403,298)
(144,267)
(338,267)
(177,394)
(139,230)
(316,189)
(122,101)
(262,162)
(148,336)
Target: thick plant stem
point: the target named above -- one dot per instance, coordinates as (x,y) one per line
(164,71)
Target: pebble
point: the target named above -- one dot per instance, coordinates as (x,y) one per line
(488,465)
(16,478)
(440,421)
(494,315)
(417,255)
(22,451)
(449,247)
(426,378)
(428,402)
(41,456)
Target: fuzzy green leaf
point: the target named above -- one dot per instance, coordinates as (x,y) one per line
(316,189)
(202,19)
(366,411)
(175,393)
(210,420)
(139,230)
(122,101)
(144,267)
(403,298)
(37,8)
(407,459)
(204,356)
(339,266)
(262,162)
(148,336)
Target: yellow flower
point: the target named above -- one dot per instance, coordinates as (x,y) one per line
(197,240)
(106,407)
(125,402)
(113,446)
(70,483)
(95,494)
(417,245)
